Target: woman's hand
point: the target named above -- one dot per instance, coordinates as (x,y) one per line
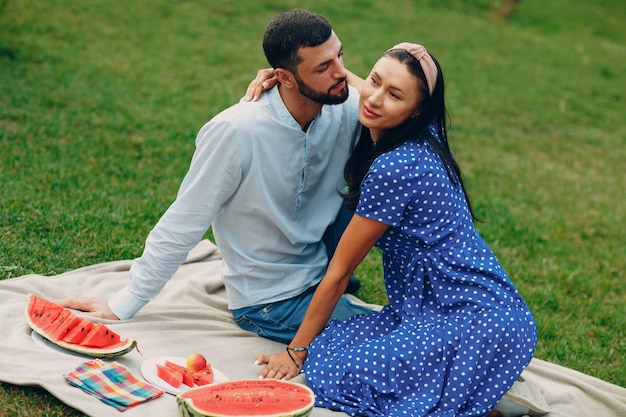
(281,365)
(265,79)
(93,306)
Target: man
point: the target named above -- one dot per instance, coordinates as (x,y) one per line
(265,175)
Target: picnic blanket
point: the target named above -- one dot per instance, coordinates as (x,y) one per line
(191,315)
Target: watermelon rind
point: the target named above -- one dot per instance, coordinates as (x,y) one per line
(121,348)
(260,394)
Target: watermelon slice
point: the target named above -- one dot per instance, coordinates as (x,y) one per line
(58,325)
(171,376)
(66,327)
(38,307)
(190,378)
(253,397)
(60,318)
(184,371)
(100,336)
(79,332)
(204,376)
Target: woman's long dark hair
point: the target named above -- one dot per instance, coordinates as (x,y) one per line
(432,112)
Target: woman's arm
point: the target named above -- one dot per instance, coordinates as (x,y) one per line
(355,243)
(354,80)
(266,79)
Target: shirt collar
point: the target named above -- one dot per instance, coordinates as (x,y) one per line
(281,110)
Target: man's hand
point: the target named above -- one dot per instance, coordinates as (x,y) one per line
(265,79)
(280,365)
(93,306)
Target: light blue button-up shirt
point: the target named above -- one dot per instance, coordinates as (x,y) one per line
(268,189)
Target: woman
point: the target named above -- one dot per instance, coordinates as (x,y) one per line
(456,333)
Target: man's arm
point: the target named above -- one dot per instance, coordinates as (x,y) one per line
(94,306)
(181,227)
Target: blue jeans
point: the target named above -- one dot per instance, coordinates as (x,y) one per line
(279,321)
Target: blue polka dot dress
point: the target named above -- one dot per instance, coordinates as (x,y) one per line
(456,333)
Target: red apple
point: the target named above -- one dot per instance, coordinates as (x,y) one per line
(196,362)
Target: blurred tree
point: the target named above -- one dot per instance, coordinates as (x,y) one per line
(506,9)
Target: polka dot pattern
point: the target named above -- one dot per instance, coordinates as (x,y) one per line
(456,333)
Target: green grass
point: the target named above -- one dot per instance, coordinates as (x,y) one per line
(100,102)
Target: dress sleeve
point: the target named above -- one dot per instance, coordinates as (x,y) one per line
(387,192)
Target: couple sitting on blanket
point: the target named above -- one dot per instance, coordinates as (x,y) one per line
(270,175)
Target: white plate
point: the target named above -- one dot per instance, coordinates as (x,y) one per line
(149,372)
(48,345)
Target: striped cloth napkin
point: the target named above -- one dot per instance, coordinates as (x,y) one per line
(112,384)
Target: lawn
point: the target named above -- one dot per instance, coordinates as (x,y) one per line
(100,102)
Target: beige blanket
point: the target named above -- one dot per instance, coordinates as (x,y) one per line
(191,315)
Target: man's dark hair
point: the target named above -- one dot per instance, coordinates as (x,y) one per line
(290,31)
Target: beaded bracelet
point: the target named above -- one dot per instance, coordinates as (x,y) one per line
(297,349)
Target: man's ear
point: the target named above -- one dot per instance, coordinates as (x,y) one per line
(285,77)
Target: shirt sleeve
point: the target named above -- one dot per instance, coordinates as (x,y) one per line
(214,174)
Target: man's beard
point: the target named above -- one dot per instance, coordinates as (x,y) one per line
(322,98)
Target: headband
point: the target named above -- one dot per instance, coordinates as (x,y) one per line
(426,61)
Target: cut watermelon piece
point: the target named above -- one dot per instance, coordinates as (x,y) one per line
(100,336)
(254,397)
(56,323)
(79,332)
(169,375)
(204,376)
(39,306)
(50,326)
(49,315)
(65,328)
(186,372)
